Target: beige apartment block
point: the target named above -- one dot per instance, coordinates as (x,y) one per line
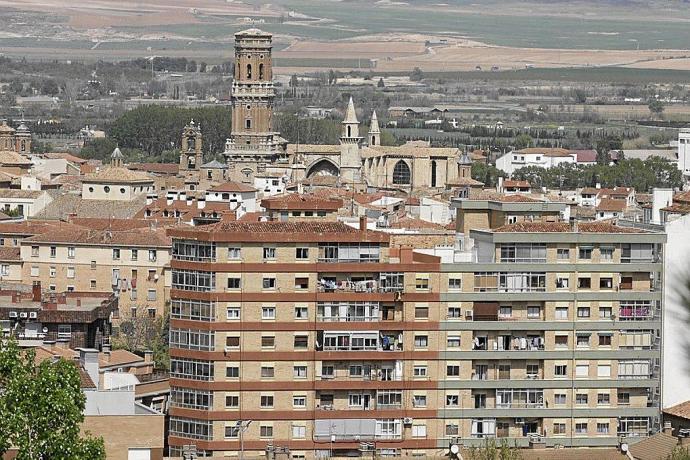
(132,263)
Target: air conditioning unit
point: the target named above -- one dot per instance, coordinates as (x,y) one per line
(33,315)
(13,314)
(23,314)
(407,421)
(469,314)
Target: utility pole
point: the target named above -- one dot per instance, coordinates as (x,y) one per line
(242,426)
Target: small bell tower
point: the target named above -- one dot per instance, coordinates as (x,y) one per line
(374,131)
(191,154)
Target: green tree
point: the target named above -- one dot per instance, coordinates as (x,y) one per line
(50,87)
(416,74)
(141,333)
(42,408)
(490,450)
(486,173)
(605,145)
(656,107)
(679,453)
(579,95)
(523,141)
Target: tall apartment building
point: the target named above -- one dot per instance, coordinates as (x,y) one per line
(322,340)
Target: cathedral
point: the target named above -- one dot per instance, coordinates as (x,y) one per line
(255,150)
(15,140)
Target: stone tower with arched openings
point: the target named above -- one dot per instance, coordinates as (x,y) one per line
(350,156)
(191,155)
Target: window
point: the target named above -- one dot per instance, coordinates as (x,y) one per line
(623,398)
(327,371)
(421,312)
(604,340)
(561,313)
(582,370)
(64,331)
(355,400)
(583,312)
(559,398)
(581,428)
(232,313)
(560,370)
(135,254)
(268,341)
(582,340)
(505,312)
(34,270)
(453,341)
(581,398)
(302,253)
(301,342)
(419,400)
(452,400)
(269,283)
(116,254)
(267,372)
(232,401)
(299,401)
(562,282)
(563,254)
(299,432)
(299,372)
(454,312)
(70,252)
(234,253)
(606,283)
(606,253)
(584,283)
(34,251)
(232,341)
(232,372)
(455,284)
(452,429)
(53,252)
(422,283)
(234,283)
(70,272)
(269,253)
(419,371)
(52,272)
(453,371)
(153,255)
(419,431)
(603,399)
(559,428)
(301,312)
(401,173)
(421,341)
(266,431)
(602,428)
(604,370)
(268,313)
(151,295)
(585,253)
(533,312)
(605,312)
(232,431)
(92,285)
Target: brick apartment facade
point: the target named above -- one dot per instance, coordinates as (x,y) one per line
(333,343)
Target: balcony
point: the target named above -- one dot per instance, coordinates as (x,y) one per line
(359,341)
(637,311)
(510,282)
(383,283)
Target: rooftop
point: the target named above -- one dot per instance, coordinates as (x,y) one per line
(155,168)
(117,175)
(564,227)
(296,201)
(70,204)
(681,410)
(232,187)
(138,237)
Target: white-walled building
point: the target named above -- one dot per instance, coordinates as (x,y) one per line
(236,195)
(684,152)
(540,157)
(26,203)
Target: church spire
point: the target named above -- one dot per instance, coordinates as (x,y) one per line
(374,131)
(350,124)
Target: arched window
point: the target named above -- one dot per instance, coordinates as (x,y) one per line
(261,71)
(433,173)
(23,146)
(373,140)
(248,123)
(401,173)
(349,131)
(249,71)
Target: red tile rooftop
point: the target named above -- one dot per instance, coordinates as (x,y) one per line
(611,205)
(509,183)
(299,202)
(232,187)
(563,227)
(136,237)
(280,227)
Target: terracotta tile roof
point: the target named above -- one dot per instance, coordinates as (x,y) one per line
(464,181)
(563,227)
(490,195)
(116,225)
(319,180)
(295,201)
(118,358)
(679,410)
(8,157)
(85,379)
(574,453)
(31,227)
(17,193)
(160,209)
(9,253)
(412,201)
(611,205)
(250,217)
(658,446)
(70,204)
(231,187)
(509,183)
(412,223)
(410,150)
(313,148)
(282,227)
(117,175)
(547,152)
(585,156)
(156,168)
(677,209)
(682,197)
(65,156)
(137,237)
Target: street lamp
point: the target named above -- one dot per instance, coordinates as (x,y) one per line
(241,427)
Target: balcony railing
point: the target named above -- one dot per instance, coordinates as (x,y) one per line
(347,318)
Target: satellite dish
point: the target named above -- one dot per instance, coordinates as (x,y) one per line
(454,449)
(624,447)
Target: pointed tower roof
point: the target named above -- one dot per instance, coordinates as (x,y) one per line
(464,159)
(374,127)
(116,154)
(350,114)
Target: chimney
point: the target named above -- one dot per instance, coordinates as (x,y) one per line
(50,344)
(201,202)
(106,351)
(190,200)
(573,225)
(88,359)
(36,291)
(363,223)
(148,356)
(499,184)
(668,429)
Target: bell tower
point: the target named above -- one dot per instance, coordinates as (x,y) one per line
(253,143)
(350,155)
(374,131)
(191,154)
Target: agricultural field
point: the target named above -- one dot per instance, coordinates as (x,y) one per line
(385,36)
